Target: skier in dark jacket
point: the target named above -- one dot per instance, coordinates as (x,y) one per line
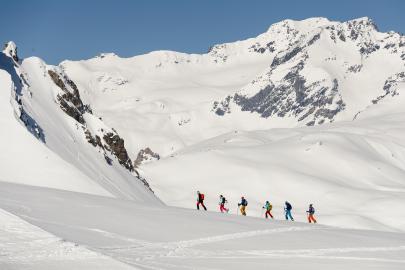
(287,210)
(311,212)
(243,203)
(200,200)
(222,202)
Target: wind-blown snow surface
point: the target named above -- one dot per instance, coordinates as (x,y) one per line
(150,237)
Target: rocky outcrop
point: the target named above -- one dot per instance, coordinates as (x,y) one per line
(69,101)
(145,155)
(10,49)
(312,102)
(115,144)
(391,86)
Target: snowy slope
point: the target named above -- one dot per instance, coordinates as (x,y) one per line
(69,147)
(24,246)
(25,160)
(149,237)
(233,120)
(352,171)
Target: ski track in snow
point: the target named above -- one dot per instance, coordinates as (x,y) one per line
(25,246)
(148,255)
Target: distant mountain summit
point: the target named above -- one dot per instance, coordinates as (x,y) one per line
(319,70)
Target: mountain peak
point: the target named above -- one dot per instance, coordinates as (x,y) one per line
(10,49)
(364,21)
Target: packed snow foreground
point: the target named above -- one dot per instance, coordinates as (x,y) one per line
(100,159)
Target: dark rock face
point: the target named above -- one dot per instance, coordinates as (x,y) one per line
(284,57)
(269,47)
(390,86)
(70,101)
(293,96)
(115,144)
(145,155)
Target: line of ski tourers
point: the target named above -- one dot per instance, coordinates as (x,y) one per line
(244,203)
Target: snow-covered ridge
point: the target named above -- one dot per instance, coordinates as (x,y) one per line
(48,104)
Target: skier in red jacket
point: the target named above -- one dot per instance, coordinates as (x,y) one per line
(200,200)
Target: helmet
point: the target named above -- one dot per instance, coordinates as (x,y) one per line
(242,197)
(198,192)
(221,196)
(267,201)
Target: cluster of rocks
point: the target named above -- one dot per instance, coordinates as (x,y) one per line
(145,155)
(115,144)
(390,86)
(311,102)
(69,101)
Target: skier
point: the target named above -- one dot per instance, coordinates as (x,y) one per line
(287,210)
(243,203)
(200,200)
(311,212)
(222,202)
(268,208)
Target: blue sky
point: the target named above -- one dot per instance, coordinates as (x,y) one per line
(73,29)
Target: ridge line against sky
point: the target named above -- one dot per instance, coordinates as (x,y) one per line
(75,30)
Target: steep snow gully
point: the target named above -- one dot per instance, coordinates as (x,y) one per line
(100,159)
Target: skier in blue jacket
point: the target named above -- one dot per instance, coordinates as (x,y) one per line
(287,210)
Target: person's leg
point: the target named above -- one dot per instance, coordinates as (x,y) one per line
(221,207)
(270,215)
(205,208)
(242,210)
(286,214)
(198,205)
(311,217)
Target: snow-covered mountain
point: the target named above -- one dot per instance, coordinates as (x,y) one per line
(309,111)
(214,119)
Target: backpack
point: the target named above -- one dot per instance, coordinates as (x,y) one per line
(288,206)
(201,196)
(270,207)
(246,202)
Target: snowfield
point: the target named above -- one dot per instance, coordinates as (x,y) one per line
(100,159)
(150,237)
